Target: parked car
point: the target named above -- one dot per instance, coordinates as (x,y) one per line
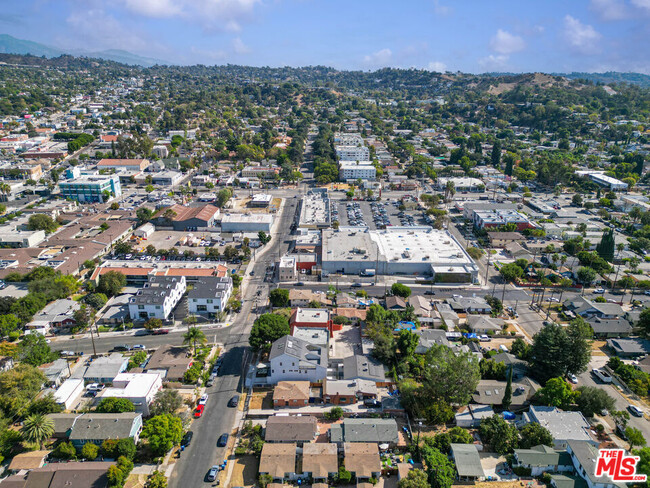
(484,338)
(572,378)
(212,474)
(634,410)
(120,348)
(234,401)
(204,399)
(223,440)
(599,291)
(602,375)
(138,347)
(95,387)
(371,403)
(161,331)
(199,411)
(187,438)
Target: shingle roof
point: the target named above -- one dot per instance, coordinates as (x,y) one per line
(468,462)
(365,430)
(362,458)
(542,456)
(319,459)
(301,429)
(291,390)
(359,366)
(278,459)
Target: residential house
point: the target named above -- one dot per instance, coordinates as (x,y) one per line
(359,367)
(278,461)
(421,306)
(347,392)
(519,366)
(209,295)
(98,427)
(312,317)
(516,251)
(472,416)
(295,429)
(55,372)
(502,239)
(491,392)
(59,315)
(467,461)
(302,297)
(293,359)
(394,302)
(291,394)
(468,305)
(139,388)
(563,426)
(171,362)
(429,337)
(312,335)
(588,308)
(105,368)
(481,324)
(158,298)
(59,475)
(380,431)
(541,459)
(447,314)
(69,393)
(320,460)
(584,455)
(607,328)
(629,348)
(6,363)
(362,459)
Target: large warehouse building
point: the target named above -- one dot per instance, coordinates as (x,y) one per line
(422,251)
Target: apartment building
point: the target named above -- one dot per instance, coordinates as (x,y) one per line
(353,153)
(209,295)
(91,188)
(356,170)
(158,298)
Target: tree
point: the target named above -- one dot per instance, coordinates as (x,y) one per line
(416,478)
(268,328)
(264,480)
(123,248)
(223,196)
(37,429)
(194,335)
(35,350)
(8,324)
(605,247)
(458,435)
(263,237)
(42,222)
(501,435)
(591,400)
(400,290)
(115,405)
(586,275)
(557,351)
(125,448)
(407,342)
(520,348)
(635,437)
(279,297)
(65,450)
(335,413)
(157,479)
(440,470)
(577,200)
(44,405)
(90,451)
(111,283)
(144,215)
(507,394)
(167,400)
(643,466)
(534,434)
(556,393)
(153,323)
(644,320)
(162,433)
(511,272)
(96,300)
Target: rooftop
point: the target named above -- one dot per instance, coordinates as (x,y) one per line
(278,459)
(291,428)
(468,462)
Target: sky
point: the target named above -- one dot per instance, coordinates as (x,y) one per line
(441,35)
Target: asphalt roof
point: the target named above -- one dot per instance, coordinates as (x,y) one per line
(468,462)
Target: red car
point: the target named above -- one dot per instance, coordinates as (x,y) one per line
(160,331)
(199,411)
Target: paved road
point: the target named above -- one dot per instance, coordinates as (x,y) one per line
(197,459)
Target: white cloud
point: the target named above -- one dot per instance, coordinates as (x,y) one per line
(100,30)
(493,62)
(437,66)
(239,47)
(380,58)
(154,8)
(505,43)
(441,10)
(644,4)
(583,38)
(610,9)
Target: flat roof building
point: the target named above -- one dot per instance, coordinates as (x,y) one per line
(356,170)
(246,223)
(315,210)
(91,188)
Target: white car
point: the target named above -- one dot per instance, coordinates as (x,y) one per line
(636,411)
(138,347)
(599,291)
(204,399)
(572,378)
(484,338)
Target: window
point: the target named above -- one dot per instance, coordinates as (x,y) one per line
(157,307)
(209,300)
(140,307)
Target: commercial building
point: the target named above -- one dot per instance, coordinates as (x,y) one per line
(348,139)
(144,230)
(600,178)
(353,153)
(356,170)
(158,298)
(462,184)
(139,388)
(489,219)
(21,238)
(246,223)
(166,178)
(263,172)
(209,295)
(261,200)
(123,164)
(287,268)
(318,318)
(188,218)
(91,188)
(315,210)
(397,251)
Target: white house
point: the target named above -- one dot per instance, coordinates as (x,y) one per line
(68,393)
(209,295)
(293,359)
(158,297)
(139,388)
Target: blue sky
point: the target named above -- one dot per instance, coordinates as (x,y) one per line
(455,35)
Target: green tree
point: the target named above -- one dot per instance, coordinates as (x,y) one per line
(586,275)
(37,429)
(223,196)
(96,300)
(440,470)
(535,434)
(557,351)
(111,283)
(8,324)
(65,450)
(507,394)
(44,405)
(591,400)
(643,466)
(511,272)
(458,435)
(153,324)
(157,479)
(263,237)
(268,328)
(400,290)
(125,448)
(279,297)
(42,222)
(496,154)
(644,320)
(90,451)
(407,342)
(264,480)
(501,435)
(556,393)
(577,200)
(416,478)
(115,405)
(520,348)
(335,413)
(144,215)
(162,433)
(35,350)
(635,437)
(194,335)
(605,247)
(167,400)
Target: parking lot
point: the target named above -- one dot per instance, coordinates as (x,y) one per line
(376,215)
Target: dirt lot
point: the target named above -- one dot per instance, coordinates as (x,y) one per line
(245,471)
(261,400)
(598,348)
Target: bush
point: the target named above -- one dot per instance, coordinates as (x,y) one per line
(334,414)
(90,451)
(65,450)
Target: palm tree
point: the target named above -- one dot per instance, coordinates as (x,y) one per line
(37,428)
(194,335)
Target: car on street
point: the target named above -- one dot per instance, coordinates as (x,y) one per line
(300,283)
(138,347)
(356,285)
(234,401)
(161,331)
(199,411)
(484,338)
(211,379)
(204,399)
(187,438)
(223,440)
(572,378)
(212,474)
(599,291)
(634,410)
(121,348)
(602,375)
